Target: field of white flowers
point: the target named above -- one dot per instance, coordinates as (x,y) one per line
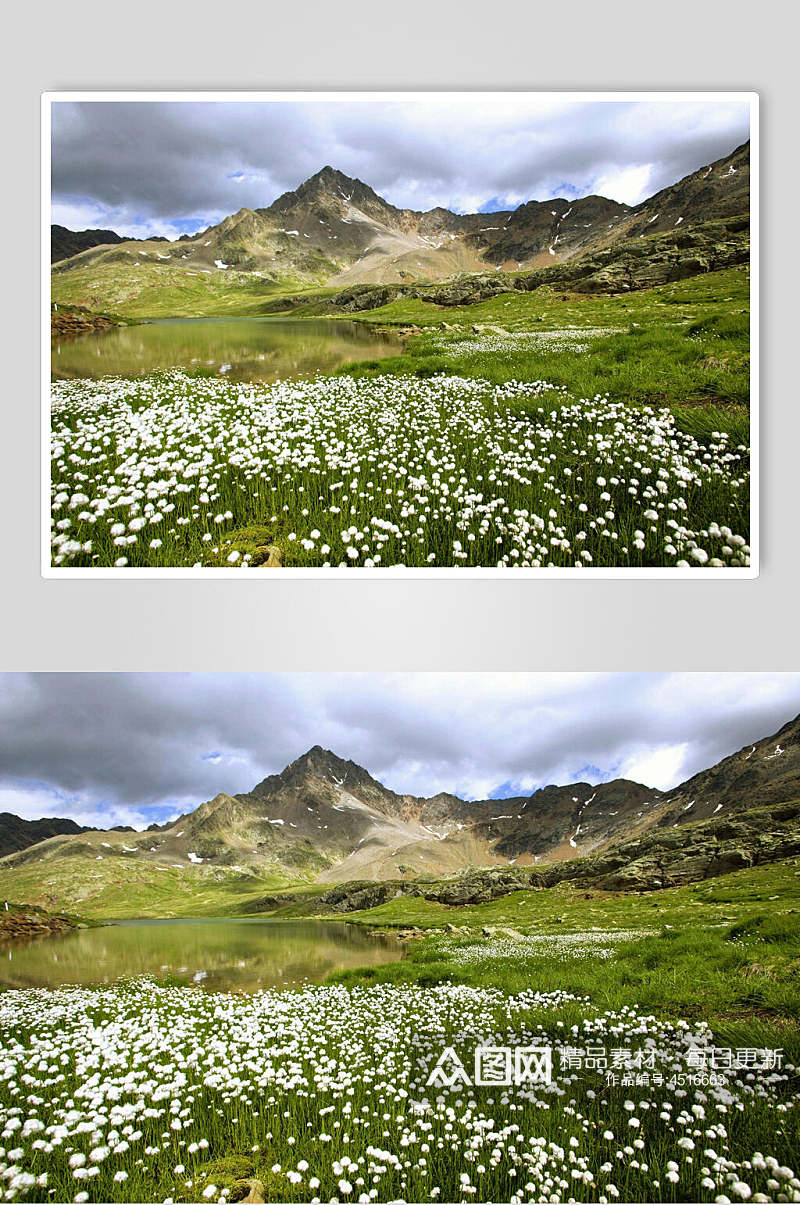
(557,947)
(445,471)
(140,1092)
(574,339)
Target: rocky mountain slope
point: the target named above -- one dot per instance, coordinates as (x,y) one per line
(720,190)
(16,833)
(659,858)
(65,243)
(327,819)
(336,230)
(638,262)
(329,814)
(762,773)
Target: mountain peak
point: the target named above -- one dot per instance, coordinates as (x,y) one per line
(328,174)
(331,178)
(318,763)
(335,229)
(320,760)
(327,816)
(334,191)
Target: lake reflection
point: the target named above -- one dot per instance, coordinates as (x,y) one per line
(240,955)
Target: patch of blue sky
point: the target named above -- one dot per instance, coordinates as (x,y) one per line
(592,773)
(40,786)
(495,205)
(514,788)
(170,809)
(192,225)
(561,191)
(511,789)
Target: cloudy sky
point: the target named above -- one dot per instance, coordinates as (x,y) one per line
(132,748)
(144,168)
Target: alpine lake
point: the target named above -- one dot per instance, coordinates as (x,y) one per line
(220,955)
(236,349)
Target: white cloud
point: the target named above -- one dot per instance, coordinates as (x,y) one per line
(88,215)
(662,768)
(629,185)
(32,803)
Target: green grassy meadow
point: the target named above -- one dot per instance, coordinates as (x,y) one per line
(162,290)
(125,888)
(713,949)
(684,345)
(718,949)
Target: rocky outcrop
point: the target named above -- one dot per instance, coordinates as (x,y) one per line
(67,322)
(675,856)
(634,264)
(23,924)
(473,887)
(352,897)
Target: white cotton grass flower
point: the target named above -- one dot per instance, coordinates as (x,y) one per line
(444,471)
(325,1085)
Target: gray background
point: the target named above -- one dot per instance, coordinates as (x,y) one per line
(374,624)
